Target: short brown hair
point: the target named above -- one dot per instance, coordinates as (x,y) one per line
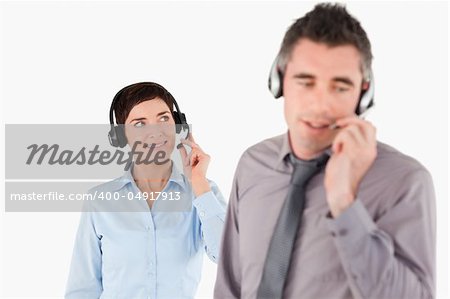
(138,93)
(330,24)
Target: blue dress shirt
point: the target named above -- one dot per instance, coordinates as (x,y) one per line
(146,253)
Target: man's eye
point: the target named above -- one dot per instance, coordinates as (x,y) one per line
(306,83)
(139,124)
(340,89)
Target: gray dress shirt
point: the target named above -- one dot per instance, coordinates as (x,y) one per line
(382,246)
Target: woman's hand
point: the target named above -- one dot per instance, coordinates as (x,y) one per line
(195,165)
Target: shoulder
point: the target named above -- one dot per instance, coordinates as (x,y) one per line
(264,153)
(269,146)
(392,161)
(396,178)
(397,173)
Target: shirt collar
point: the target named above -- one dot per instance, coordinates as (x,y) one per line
(283,160)
(285,150)
(176,176)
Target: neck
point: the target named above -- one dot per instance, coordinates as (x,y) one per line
(152,177)
(302,152)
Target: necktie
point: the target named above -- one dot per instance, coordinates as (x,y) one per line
(281,245)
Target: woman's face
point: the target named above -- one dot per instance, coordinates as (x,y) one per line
(151,122)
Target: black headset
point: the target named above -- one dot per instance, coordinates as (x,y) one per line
(116,134)
(276,87)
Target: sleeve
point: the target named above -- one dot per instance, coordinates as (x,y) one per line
(394,256)
(228,280)
(85,278)
(211,209)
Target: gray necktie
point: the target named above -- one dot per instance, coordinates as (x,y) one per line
(278,257)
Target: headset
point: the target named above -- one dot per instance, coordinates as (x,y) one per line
(116,134)
(276,87)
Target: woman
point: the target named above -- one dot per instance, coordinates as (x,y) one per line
(153,249)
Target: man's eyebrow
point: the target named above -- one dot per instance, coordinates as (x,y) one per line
(344,80)
(304,76)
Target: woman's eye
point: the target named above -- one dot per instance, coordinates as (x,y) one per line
(164,118)
(139,124)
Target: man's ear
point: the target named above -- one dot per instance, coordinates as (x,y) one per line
(365,85)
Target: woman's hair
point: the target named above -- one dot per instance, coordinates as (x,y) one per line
(136,94)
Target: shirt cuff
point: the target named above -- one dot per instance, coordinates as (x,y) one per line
(208,206)
(352,225)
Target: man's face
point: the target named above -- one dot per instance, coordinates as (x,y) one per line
(321,84)
(151,122)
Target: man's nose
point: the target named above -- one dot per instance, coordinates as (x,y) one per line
(321,101)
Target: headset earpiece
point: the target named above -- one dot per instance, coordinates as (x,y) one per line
(276,79)
(366,100)
(117,137)
(116,134)
(180,121)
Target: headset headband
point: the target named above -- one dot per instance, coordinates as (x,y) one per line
(118,94)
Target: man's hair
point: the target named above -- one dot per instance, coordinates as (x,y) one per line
(137,94)
(332,25)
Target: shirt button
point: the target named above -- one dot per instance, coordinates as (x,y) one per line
(202,214)
(343,232)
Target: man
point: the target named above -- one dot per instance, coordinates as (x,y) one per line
(365,224)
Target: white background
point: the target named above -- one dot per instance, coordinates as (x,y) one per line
(63,63)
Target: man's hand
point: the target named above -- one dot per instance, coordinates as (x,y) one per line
(354,150)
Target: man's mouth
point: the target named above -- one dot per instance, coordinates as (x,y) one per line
(316,125)
(160,144)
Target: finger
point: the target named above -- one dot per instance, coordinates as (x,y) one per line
(189,143)
(191,137)
(195,157)
(356,133)
(337,144)
(183,154)
(198,156)
(345,121)
(371,133)
(342,141)
(367,129)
